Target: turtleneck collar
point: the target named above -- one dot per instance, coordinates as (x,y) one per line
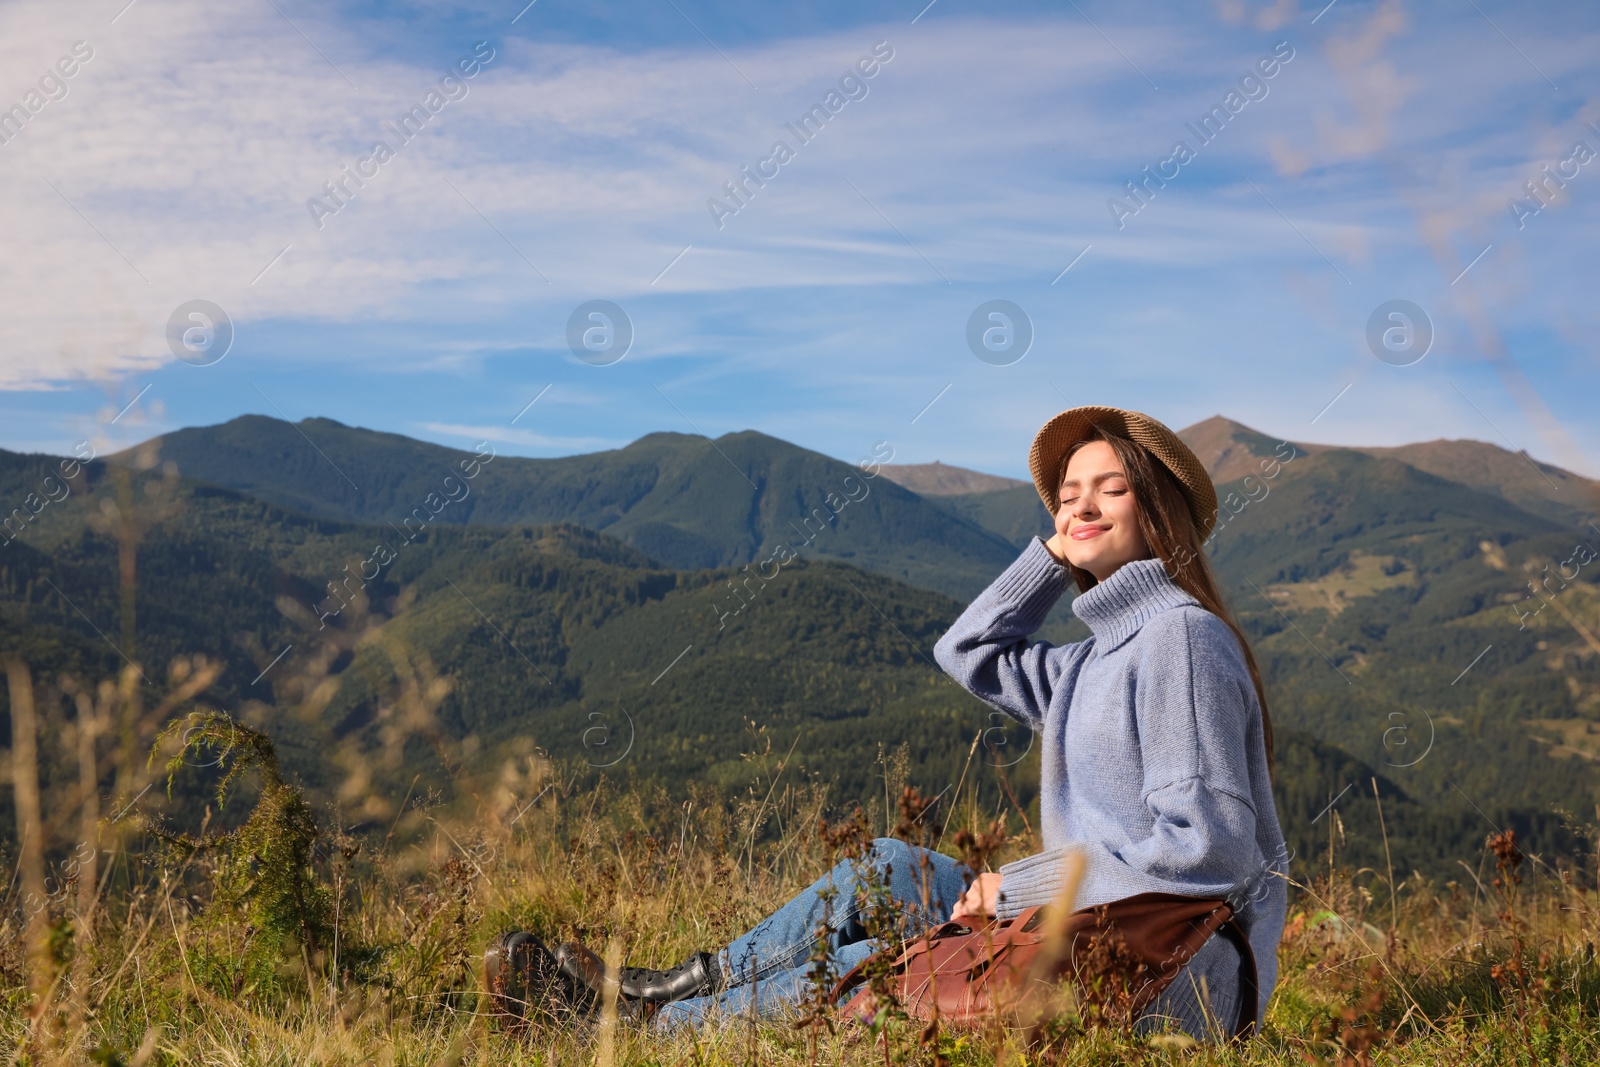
(1116,608)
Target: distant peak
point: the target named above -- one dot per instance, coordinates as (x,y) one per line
(661,437)
(1214,424)
(1228,449)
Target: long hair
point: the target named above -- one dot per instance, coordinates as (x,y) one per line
(1172,536)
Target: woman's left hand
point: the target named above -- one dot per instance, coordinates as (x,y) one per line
(980,899)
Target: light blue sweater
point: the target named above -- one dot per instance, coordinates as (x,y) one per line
(1152,757)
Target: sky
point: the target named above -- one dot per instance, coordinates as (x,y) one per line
(1358,154)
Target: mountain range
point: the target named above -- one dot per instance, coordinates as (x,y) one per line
(681,499)
(679,598)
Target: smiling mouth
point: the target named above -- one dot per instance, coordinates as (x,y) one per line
(1084,533)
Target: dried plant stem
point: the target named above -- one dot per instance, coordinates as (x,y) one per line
(87,860)
(606,1054)
(960,782)
(128,765)
(30,835)
(755,825)
(1394,904)
(1054,947)
(89,812)
(1005,786)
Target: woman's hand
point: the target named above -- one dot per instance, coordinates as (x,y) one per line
(1057,547)
(980,898)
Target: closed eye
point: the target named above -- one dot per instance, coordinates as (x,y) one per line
(1108,492)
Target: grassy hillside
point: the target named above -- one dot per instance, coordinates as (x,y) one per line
(383,965)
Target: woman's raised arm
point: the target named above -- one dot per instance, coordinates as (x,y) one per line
(987,650)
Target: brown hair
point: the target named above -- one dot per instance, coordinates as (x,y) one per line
(1173,536)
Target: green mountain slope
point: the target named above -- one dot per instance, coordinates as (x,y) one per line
(555,637)
(940,479)
(1230,450)
(682,499)
(1370,588)
(1016,514)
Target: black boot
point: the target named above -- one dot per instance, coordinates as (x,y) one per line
(525,980)
(697,976)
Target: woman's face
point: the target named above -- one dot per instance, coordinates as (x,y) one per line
(1098,519)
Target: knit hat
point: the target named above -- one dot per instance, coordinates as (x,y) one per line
(1071,426)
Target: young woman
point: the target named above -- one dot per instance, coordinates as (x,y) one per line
(1156,738)
(1155,758)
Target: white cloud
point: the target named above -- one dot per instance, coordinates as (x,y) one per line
(191,142)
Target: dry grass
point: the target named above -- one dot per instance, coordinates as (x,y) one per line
(1498,971)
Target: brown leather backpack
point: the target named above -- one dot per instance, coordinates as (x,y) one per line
(974,969)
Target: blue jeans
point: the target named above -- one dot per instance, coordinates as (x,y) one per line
(770,963)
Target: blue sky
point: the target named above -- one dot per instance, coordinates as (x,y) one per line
(832,308)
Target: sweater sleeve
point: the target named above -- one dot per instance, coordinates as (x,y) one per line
(1202,844)
(985,649)
(1029,882)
